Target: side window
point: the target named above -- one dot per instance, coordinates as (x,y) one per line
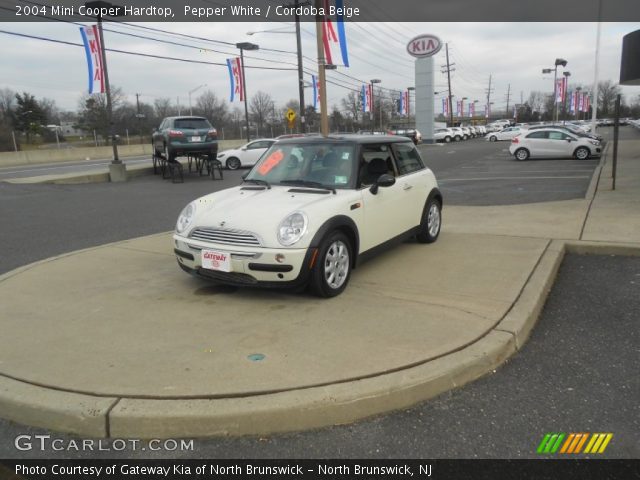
(375,160)
(162,125)
(407,158)
(557,136)
(538,135)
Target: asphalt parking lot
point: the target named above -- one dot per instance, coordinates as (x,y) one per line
(478,172)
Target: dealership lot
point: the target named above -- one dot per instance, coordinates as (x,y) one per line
(477,172)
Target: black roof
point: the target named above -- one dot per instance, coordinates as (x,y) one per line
(347,138)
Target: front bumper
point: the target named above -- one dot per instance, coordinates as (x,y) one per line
(250,266)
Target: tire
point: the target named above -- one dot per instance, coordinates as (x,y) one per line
(522,154)
(457,138)
(447,139)
(233,163)
(431,222)
(582,153)
(332,269)
(169,154)
(493,138)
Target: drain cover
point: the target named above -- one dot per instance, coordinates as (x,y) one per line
(255,357)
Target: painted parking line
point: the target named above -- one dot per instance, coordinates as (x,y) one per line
(507,178)
(78,166)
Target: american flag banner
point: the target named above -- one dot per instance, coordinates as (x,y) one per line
(460,108)
(487,111)
(93,51)
(472,109)
(445,107)
(561,89)
(366,97)
(572,102)
(581,102)
(235,78)
(403,103)
(316,91)
(335,42)
(587,102)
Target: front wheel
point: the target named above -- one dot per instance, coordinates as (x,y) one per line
(582,153)
(332,269)
(233,163)
(493,138)
(431,222)
(447,139)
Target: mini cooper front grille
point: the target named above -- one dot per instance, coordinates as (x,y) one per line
(227,237)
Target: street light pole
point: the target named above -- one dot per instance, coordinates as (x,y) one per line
(193,91)
(245,46)
(409,90)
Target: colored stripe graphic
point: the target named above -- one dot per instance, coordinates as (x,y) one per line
(573,443)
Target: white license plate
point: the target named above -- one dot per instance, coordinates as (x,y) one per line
(214,260)
(196,139)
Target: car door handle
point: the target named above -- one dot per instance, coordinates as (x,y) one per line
(407,186)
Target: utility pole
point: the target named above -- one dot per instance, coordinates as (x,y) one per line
(508,98)
(489,99)
(303,126)
(448,69)
(322,79)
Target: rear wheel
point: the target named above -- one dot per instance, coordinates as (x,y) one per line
(522,154)
(493,138)
(447,139)
(431,222)
(331,272)
(582,153)
(233,163)
(169,154)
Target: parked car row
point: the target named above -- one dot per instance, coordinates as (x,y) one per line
(456,134)
(634,123)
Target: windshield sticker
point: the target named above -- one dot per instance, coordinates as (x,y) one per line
(345,155)
(340,179)
(274,159)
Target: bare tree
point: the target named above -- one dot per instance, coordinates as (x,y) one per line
(163,107)
(352,105)
(261,107)
(212,108)
(537,101)
(7,101)
(607,93)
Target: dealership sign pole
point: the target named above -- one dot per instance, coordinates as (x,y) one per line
(423,48)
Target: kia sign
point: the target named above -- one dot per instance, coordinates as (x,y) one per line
(424,46)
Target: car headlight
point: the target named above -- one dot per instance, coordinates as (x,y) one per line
(186,217)
(292,228)
(594,142)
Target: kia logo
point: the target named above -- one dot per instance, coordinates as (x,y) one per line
(424,46)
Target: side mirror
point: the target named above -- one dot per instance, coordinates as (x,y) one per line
(569,140)
(244,149)
(385,180)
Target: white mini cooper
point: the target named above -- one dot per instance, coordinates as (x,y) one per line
(309,211)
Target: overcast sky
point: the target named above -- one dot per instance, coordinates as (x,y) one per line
(513,53)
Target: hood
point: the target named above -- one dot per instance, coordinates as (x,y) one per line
(261,211)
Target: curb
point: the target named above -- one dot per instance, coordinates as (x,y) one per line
(80,178)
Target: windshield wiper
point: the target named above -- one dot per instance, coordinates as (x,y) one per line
(307,183)
(257,182)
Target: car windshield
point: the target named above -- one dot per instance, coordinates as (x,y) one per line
(191,123)
(307,164)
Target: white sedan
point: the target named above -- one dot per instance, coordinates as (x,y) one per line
(309,211)
(246,155)
(553,143)
(506,134)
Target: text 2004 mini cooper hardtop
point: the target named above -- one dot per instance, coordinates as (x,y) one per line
(308,211)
